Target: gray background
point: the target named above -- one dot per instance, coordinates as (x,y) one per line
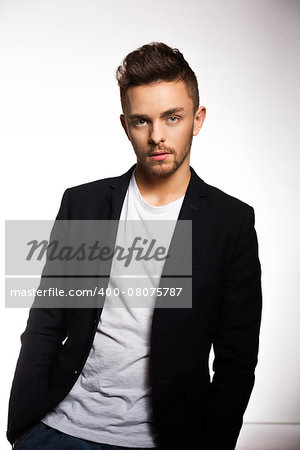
(59,127)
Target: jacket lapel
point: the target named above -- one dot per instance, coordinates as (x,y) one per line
(116,192)
(195,198)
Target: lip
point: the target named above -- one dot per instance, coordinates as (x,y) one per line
(159,156)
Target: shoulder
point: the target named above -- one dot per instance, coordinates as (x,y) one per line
(221,207)
(226,202)
(217,199)
(99,186)
(91,187)
(90,200)
(231,213)
(85,201)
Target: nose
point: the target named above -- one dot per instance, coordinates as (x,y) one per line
(156,133)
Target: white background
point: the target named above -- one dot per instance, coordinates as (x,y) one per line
(59,127)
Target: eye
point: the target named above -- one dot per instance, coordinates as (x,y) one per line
(173,119)
(140,123)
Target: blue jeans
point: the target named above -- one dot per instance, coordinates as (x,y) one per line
(43,437)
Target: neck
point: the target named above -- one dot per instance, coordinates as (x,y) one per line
(158,190)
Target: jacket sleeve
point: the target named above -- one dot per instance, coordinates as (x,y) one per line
(46,328)
(235,341)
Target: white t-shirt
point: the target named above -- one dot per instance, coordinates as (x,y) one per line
(111,401)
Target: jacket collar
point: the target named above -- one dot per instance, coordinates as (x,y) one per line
(191,206)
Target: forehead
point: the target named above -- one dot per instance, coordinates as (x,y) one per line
(157,97)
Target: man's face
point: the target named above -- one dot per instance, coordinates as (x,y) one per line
(160,123)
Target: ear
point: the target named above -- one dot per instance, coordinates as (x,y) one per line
(199,118)
(124,125)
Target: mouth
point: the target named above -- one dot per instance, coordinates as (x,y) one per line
(159,156)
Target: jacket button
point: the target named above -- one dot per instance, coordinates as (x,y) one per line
(75,372)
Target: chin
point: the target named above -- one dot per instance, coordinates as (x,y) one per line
(161,170)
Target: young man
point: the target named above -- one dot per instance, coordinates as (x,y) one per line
(139,377)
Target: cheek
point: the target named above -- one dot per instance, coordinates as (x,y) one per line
(181,135)
(138,139)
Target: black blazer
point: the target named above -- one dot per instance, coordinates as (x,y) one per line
(189,409)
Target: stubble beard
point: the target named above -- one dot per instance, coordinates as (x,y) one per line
(164,168)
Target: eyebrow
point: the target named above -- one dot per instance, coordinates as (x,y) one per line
(164,114)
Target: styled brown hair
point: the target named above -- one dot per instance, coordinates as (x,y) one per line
(154,62)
